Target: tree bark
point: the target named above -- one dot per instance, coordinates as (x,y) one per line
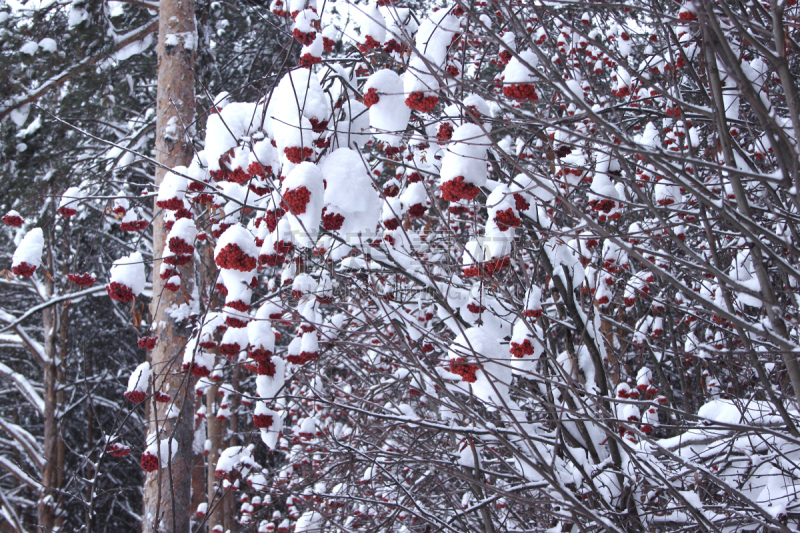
(167,492)
(55,344)
(216,432)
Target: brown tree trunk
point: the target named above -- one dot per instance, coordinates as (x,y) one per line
(167,492)
(54,320)
(216,432)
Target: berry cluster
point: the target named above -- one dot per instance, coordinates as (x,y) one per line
(82,280)
(521,91)
(332,221)
(13,220)
(425,104)
(232,257)
(117,450)
(533,313)
(520,350)
(177,260)
(417,210)
(134,226)
(308,60)
(371,97)
(465,370)
(162,398)
(148,343)
(391,224)
(149,462)
(198,371)
(456,189)
(173,204)
(369,44)
(260,355)
(135,396)
(262,421)
(488,269)
(297,155)
(239,305)
(179,246)
(120,292)
(306,39)
(295,200)
(506,219)
(302,358)
(235,322)
(230,350)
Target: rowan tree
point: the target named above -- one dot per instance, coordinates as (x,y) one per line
(500,266)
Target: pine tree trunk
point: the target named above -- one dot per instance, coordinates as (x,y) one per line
(167,492)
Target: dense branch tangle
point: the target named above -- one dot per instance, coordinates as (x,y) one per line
(497,267)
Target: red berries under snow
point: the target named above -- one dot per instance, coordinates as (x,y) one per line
(236,250)
(117,450)
(82,280)
(262,421)
(12,218)
(127,278)
(138,382)
(458,189)
(295,200)
(69,202)
(420,102)
(465,370)
(371,97)
(149,462)
(28,255)
(464,164)
(148,343)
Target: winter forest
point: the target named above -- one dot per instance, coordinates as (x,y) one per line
(399,266)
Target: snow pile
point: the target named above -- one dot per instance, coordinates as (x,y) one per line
(351,203)
(388,115)
(127,278)
(28,255)
(464,169)
(303,195)
(138,382)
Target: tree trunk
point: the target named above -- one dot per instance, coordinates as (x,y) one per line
(55,344)
(167,492)
(216,432)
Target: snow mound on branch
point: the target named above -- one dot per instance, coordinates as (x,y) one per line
(173,188)
(491,376)
(28,255)
(518,71)
(354,128)
(69,201)
(138,383)
(164,449)
(236,249)
(464,163)
(129,272)
(309,522)
(235,459)
(298,95)
(373,27)
(224,129)
(303,193)
(267,387)
(350,192)
(389,116)
(271,434)
(435,35)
